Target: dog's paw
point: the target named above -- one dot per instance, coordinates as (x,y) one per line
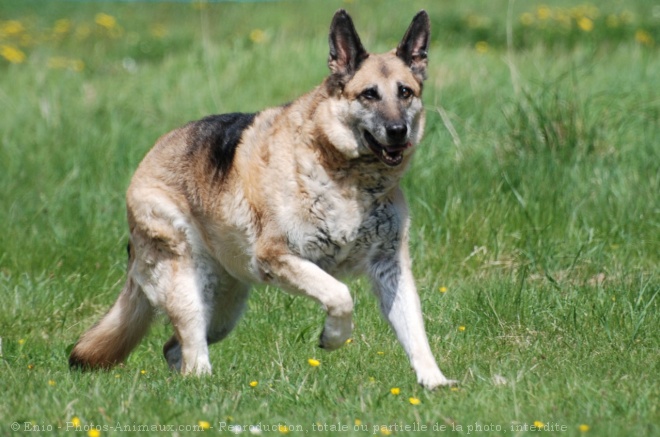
(335,332)
(435,380)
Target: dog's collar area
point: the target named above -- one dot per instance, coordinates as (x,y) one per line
(391,155)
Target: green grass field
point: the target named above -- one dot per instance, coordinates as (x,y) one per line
(535,200)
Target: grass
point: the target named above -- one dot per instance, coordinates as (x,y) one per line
(534,199)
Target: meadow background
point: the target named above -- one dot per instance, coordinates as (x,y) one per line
(535,203)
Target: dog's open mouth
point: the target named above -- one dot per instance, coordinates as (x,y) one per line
(391,155)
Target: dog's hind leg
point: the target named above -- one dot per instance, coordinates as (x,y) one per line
(189,307)
(228,307)
(229,301)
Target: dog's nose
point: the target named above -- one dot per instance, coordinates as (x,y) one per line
(396,132)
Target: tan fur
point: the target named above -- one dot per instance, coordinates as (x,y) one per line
(310,195)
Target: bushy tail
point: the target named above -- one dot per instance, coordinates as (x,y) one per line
(112,339)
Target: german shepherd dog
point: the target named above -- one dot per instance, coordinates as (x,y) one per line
(294,196)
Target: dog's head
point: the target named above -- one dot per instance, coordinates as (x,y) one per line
(377,97)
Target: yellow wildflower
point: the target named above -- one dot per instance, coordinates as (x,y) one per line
(527,19)
(51,383)
(586,24)
(21,341)
(15,56)
(584,428)
(442,289)
(358,422)
(93,433)
(75,421)
(538,424)
(258,36)
(313,362)
(253,384)
(482,48)
(11,28)
(612,21)
(158,31)
(143,372)
(283,429)
(461,328)
(543,12)
(62,26)
(82,32)
(643,37)
(384,430)
(395,391)
(107,21)
(414,401)
(204,425)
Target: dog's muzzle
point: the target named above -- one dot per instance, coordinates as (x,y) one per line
(391,154)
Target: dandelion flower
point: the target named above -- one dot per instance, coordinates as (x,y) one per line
(414,401)
(93,433)
(442,289)
(395,391)
(527,19)
(75,421)
(21,341)
(283,429)
(461,328)
(62,26)
(643,37)
(357,422)
(143,372)
(482,48)
(107,21)
(204,425)
(348,341)
(586,24)
(258,36)
(584,428)
(314,362)
(538,424)
(15,56)
(544,12)
(12,27)
(384,430)
(380,353)
(253,384)
(51,383)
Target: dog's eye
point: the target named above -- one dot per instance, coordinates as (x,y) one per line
(370,94)
(405,92)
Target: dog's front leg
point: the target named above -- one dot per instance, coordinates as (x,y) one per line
(395,288)
(299,276)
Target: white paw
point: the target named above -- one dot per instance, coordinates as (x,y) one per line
(434,379)
(200,366)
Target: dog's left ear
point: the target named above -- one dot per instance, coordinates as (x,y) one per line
(413,48)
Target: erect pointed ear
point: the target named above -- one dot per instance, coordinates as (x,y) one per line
(413,48)
(346,51)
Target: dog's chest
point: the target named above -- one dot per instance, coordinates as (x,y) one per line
(340,233)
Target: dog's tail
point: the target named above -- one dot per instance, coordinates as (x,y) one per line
(112,339)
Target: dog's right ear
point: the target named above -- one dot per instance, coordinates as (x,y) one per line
(346,51)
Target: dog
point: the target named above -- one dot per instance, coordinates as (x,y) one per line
(292,196)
